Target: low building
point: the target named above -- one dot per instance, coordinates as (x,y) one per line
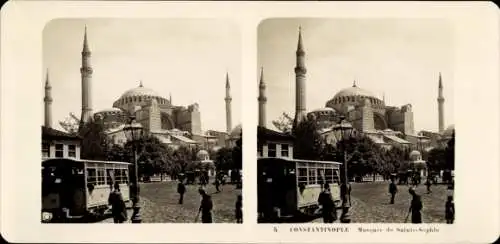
(274,144)
(59,144)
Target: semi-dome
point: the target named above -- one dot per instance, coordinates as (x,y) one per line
(236,132)
(449,131)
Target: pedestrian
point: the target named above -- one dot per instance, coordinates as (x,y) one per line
(205,207)
(450,210)
(181,189)
(217,184)
(415,207)
(325,199)
(393,189)
(118,208)
(238,209)
(428,183)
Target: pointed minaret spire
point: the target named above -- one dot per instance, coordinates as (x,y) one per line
(85,41)
(228,99)
(86,72)
(48,102)
(440,81)
(300,80)
(262,99)
(440,101)
(383,97)
(170,97)
(299,44)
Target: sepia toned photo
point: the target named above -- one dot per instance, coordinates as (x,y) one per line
(141,121)
(355,121)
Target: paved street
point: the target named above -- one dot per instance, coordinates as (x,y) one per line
(370,203)
(159,201)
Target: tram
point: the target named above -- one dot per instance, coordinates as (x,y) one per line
(75,188)
(289,187)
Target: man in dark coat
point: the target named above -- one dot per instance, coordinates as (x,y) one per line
(181,189)
(205,207)
(325,199)
(450,210)
(415,207)
(118,208)
(238,210)
(393,189)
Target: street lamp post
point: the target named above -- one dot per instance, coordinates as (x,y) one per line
(134,132)
(345,131)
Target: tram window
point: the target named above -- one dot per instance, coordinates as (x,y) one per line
(321,176)
(302,175)
(110,176)
(124,176)
(59,150)
(312,176)
(100,177)
(329,176)
(91,176)
(336,176)
(271,150)
(284,150)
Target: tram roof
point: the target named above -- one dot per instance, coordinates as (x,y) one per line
(298,160)
(85,161)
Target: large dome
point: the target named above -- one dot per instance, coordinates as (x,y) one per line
(353,96)
(353,91)
(236,132)
(140,91)
(448,133)
(139,96)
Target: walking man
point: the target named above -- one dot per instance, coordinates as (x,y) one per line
(415,207)
(393,189)
(205,207)
(118,208)
(428,183)
(238,210)
(325,199)
(181,189)
(450,210)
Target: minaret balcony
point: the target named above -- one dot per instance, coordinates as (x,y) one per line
(299,69)
(87,70)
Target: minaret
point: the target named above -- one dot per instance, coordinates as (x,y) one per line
(440,101)
(228,100)
(262,99)
(86,73)
(300,79)
(48,102)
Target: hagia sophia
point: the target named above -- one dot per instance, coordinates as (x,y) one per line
(172,124)
(385,125)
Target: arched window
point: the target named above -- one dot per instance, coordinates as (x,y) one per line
(140,99)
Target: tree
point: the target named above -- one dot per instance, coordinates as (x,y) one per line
(70,124)
(308,143)
(238,153)
(224,159)
(284,123)
(450,153)
(95,144)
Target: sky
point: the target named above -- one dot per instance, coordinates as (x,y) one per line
(186,58)
(400,58)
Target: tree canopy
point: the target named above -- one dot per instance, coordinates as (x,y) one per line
(284,123)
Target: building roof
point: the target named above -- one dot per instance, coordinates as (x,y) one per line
(163,139)
(266,134)
(51,134)
(397,139)
(183,139)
